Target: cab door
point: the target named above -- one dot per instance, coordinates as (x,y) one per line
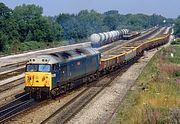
(63,73)
(55,75)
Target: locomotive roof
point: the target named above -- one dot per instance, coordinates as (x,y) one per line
(63,56)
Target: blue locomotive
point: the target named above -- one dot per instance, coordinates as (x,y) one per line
(55,73)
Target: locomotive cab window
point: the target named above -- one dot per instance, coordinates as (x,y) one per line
(31,68)
(44,68)
(38,68)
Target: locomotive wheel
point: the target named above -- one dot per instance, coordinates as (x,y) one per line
(53,93)
(68,87)
(37,96)
(90,79)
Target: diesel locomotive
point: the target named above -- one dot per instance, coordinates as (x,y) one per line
(52,74)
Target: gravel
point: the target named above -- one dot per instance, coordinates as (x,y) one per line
(39,113)
(10,95)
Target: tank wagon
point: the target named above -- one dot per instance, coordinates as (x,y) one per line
(55,73)
(100,39)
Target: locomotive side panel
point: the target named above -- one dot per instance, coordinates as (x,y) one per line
(75,69)
(92,64)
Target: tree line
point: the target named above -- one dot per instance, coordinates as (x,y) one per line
(25,25)
(177,27)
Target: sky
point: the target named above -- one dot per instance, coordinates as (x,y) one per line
(167,8)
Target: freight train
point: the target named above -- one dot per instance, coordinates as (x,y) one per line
(56,73)
(98,40)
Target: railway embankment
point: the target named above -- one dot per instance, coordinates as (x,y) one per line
(155,97)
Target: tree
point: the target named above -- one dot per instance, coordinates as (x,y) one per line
(3,41)
(26,24)
(8,27)
(178,18)
(156,20)
(111,12)
(177,27)
(90,22)
(81,25)
(69,25)
(33,26)
(27,17)
(5,12)
(111,19)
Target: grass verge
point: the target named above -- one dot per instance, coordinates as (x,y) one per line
(155,98)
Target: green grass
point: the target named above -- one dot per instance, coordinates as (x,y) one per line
(18,47)
(176,74)
(177,41)
(156,97)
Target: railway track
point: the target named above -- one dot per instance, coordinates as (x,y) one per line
(11,84)
(12,66)
(12,72)
(18,105)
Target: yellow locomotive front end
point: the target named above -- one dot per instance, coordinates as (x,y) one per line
(38,77)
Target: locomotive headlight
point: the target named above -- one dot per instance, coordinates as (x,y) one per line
(28,78)
(44,78)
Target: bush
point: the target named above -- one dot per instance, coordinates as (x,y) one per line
(177,41)
(176,74)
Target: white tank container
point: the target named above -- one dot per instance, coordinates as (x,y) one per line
(120,32)
(126,31)
(117,34)
(114,35)
(106,38)
(109,37)
(95,38)
(102,38)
